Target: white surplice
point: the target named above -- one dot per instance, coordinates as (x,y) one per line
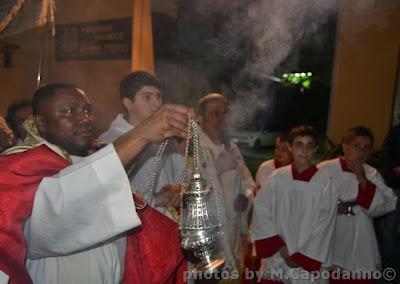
(229,185)
(75,232)
(355,246)
(300,213)
(4,277)
(171,168)
(264,170)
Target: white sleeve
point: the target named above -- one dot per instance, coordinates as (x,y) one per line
(3,277)
(262,173)
(384,200)
(85,204)
(263,224)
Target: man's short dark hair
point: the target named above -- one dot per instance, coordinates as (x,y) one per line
(12,109)
(202,104)
(356,132)
(303,130)
(47,92)
(134,81)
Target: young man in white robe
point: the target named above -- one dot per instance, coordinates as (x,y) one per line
(74,233)
(140,94)
(294,215)
(363,195)
(224,165)
(282,157)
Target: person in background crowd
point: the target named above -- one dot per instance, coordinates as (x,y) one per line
(389,226)
(363,195)
(294,214)
(224,163)
(7,136)
(282,157)
(140,94)
(16,115)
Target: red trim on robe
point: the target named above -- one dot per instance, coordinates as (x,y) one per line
(344,166)
(306,262)
(366,194)
(277,165)
(304,175)
(269,246)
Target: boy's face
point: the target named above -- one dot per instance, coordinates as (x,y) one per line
(146,101)
(358,150)
(303,149)
(282,153)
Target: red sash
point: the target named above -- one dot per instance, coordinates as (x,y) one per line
(153,252)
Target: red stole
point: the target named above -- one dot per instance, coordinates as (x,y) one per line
(153,252)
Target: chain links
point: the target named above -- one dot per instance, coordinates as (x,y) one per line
(194,134)
(148,195)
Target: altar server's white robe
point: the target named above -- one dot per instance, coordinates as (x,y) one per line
(229,185)
(264,170)
(355,246)
(297,210)
(74,233)
(171,169)
(4,278)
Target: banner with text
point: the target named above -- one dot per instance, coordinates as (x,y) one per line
(106,39)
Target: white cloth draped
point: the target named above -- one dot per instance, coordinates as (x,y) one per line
(75,232)
(264,170)
(3,278)
(171,169)
(229,185)
(301,213)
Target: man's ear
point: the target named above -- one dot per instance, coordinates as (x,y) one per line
(289,147)
(127,103)
(345,147)
(40,123)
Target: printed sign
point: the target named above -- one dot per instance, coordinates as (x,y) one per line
(107,39)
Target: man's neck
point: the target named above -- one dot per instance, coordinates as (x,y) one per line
(216,138)
(302,167)
(132,119)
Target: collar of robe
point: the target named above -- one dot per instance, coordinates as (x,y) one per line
(33,140)
(344,166)
(304,175)
(277,164)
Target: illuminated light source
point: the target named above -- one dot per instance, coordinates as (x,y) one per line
(302,79)
(299,79)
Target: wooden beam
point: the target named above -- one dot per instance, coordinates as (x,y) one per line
(142,37)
